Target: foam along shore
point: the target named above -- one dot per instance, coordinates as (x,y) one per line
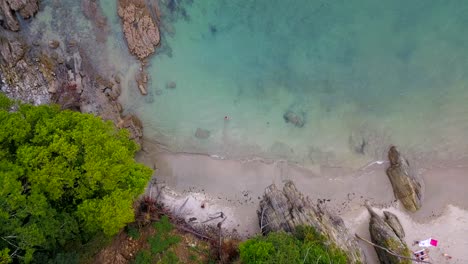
(199,187)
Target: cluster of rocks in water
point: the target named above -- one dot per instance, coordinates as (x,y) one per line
(288,208)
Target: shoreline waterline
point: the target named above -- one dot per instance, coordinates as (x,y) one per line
(184,171)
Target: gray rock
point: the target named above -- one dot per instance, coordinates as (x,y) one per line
(285,209)
(406,187)
(171,85)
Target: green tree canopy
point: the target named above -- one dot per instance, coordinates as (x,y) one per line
(64,176)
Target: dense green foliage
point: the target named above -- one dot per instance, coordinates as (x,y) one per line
(304,246)
(65,177)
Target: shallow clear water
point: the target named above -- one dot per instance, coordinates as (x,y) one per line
(361,74)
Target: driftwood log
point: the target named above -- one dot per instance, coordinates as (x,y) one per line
(285,209)
(382,234)
(406,187)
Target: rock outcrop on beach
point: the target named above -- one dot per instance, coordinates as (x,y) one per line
(406,187)
(384,235)
(9,9)
(285,209)
(139,26)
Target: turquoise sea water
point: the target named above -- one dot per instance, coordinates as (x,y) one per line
(361,74)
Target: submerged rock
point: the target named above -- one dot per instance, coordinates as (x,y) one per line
(139,26)
(294,118)
(171,85)
(383,235)
(10,8)
(406,187)
(142,81)
(202,133)
(285,209)
(394,223)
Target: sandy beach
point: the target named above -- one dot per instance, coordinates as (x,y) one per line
(235,187)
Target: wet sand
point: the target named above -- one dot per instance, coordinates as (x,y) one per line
(235,187)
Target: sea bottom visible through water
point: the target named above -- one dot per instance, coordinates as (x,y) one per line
(351,77)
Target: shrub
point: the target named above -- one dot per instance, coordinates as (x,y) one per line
(5,103)
(143,257)
(304,246)
(169,258)
(133,232)
(256,250)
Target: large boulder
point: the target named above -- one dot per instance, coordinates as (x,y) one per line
(406,187)
(382,234)
(139,26)
(285,209)
(10,8)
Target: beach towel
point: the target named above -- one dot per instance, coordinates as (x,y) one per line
(428,243)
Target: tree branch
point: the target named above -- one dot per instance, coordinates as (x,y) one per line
(389,251)
(261,220)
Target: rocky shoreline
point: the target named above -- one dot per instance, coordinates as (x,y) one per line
(61,73)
